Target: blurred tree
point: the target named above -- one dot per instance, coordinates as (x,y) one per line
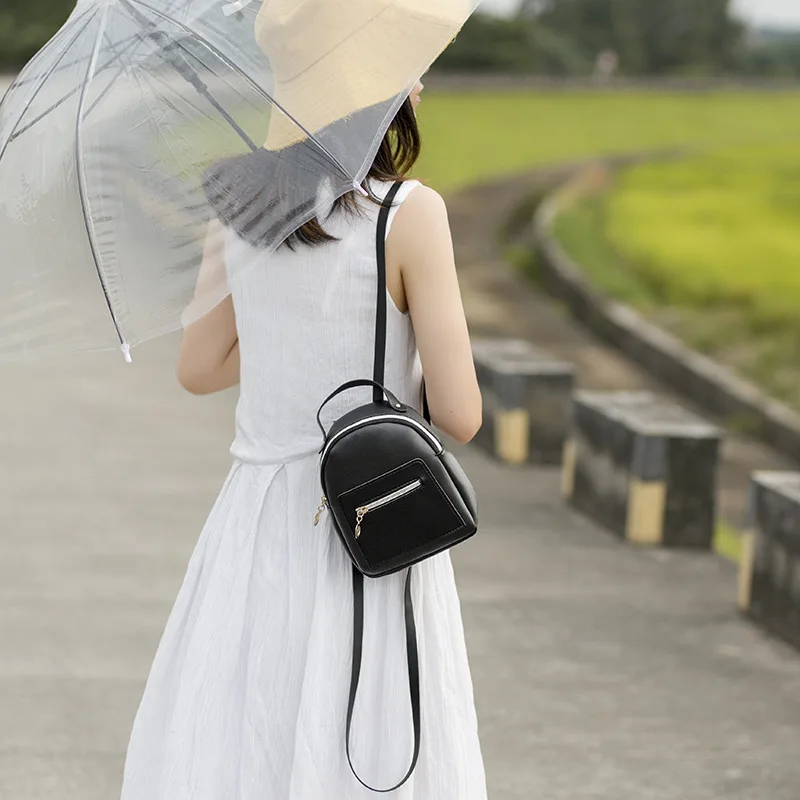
(772,54)
(491,44)
(651,38)
(25,25)
(551,37)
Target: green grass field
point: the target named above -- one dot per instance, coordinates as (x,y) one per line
(709,248)
(468,137)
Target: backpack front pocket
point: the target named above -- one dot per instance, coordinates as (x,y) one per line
(398,511)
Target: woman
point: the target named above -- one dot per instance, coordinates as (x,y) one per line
(247,696)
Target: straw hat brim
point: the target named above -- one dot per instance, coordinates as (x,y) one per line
(377,62)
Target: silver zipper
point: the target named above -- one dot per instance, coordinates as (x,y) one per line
(362,511)
(438,447)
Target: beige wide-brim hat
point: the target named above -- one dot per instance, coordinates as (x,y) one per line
(331,58)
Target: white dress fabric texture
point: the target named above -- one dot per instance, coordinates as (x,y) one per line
(247,695)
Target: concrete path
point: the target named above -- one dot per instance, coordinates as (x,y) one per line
(600,672)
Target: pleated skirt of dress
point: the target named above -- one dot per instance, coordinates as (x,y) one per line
(247,695)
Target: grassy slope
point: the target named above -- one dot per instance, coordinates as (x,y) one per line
(709,248)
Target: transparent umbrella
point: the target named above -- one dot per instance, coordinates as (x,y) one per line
(142,120)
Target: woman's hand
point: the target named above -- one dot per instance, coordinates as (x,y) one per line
(208,360)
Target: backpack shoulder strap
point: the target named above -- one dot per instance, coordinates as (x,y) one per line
(380,315)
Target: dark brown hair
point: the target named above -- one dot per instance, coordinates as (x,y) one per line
(397,154)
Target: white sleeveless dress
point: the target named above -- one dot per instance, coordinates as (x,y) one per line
(247,695)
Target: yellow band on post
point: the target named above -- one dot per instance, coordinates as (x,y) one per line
(746,568)
(568,469)
(647,501)
(511,435)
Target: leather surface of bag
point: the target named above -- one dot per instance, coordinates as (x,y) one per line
(397,496)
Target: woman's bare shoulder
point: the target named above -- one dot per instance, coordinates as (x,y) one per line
(423,201)
(422,216)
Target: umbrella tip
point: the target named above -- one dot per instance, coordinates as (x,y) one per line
(360,189)
(126,351)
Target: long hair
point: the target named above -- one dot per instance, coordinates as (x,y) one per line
(244,191)
(396,156)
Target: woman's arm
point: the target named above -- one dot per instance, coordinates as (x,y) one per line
(208,360)
(421,244)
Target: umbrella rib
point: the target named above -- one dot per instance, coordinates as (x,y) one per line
(67,96)
(81,176)
(128,42)
(117,55)
(44,79)
(16,83)
(76,61)
(83,58)
(324,150)
(182,66)
(121,69)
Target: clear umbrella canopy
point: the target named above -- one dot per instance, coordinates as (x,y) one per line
(142,120)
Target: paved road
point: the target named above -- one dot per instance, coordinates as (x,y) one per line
(601,672)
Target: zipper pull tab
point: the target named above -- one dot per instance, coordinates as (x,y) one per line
(360,514)
(322,506)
